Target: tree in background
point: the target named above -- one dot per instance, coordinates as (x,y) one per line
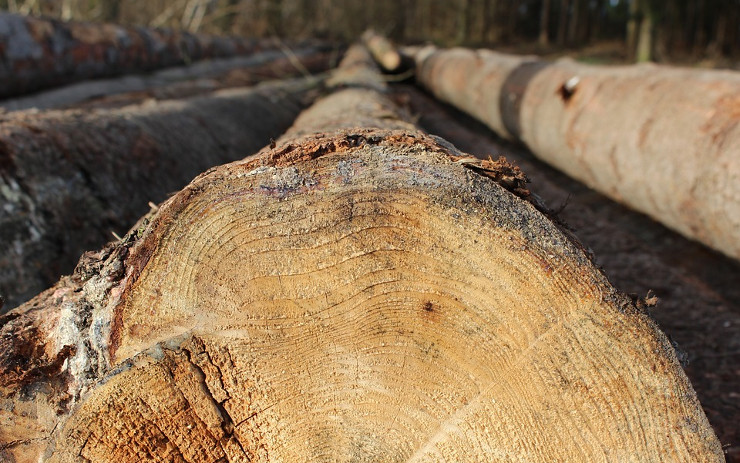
(648,29)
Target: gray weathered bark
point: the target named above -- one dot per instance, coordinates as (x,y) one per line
(70,178)
(41,53)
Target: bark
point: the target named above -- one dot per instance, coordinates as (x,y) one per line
(645,37)
(633,23)
(320,301)
(662,140)
(41,53)
(69,178)
(180,82)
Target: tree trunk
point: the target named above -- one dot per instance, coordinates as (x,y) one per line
(575,22)
(181,81)
(42,53)
(361,289)
(563,22)
(645,37)
(633,23)
(382,50)
(69,178)
(544,23)
(608,128)
(109,10)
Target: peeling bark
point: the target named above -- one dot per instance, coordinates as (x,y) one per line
(661,140)
(354,292)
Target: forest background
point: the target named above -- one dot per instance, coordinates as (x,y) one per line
(697,32)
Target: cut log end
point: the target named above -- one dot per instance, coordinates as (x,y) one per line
(379,300)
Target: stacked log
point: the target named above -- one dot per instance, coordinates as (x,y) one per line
(359,291)
(39,53)
(70,178)
(661,140)
(182,81)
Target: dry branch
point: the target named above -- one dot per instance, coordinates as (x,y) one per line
(69,178)
(664,141)
(353,293)
(40,53)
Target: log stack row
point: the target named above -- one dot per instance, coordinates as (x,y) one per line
(357,290)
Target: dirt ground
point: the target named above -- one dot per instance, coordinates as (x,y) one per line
(699,289)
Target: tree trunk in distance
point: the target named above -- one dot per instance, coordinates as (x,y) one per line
(109,10)
(645,37)
(319,301)
(69,178)
(575,22)
(632,28)
(42,53)
(176,82)
(563,22)
(544,23)
(609,128)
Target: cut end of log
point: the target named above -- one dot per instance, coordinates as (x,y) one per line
(372,298)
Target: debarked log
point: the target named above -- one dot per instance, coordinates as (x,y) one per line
(364,293)
(70,178)
(662,140)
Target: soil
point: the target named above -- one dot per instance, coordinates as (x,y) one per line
(698,289)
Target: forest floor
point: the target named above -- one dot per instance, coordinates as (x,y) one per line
(699,289)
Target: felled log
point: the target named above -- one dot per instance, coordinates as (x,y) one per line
(359,291)
(70,178)
(699,307)
(385,53)
(661,140)
(40,53)
(182,81)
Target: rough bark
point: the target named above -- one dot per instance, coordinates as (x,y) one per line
(182,81)
(41,53)
(69,178)
(661,140)
(359,292)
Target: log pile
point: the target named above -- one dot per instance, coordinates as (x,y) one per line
(40,53)
(357,290)
(70,178)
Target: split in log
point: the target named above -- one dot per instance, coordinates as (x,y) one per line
(41,53)
(180,82)
(69,178)
(664,141)
(356,294)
